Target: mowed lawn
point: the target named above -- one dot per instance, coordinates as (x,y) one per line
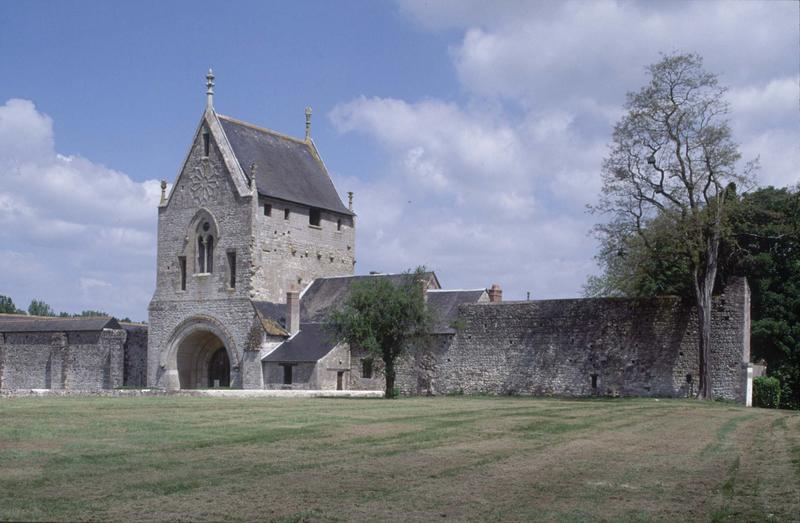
(413,459)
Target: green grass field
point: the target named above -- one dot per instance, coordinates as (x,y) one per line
(419,459)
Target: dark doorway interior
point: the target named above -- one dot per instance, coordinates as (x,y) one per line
(219,368)
(339,376)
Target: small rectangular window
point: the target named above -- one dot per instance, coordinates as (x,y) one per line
(594,381)
(286,214)
(232,269)
(314,217)
(366,368)
(339,224)
(182,265)
(267,209)
(206,143)
(287,374)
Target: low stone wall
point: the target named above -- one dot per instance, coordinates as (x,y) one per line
(213,393)
(135,371)
(582,347)
(62,360)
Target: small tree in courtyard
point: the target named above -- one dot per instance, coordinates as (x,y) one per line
(384,318)
(671,168)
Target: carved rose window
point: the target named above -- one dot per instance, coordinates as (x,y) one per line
(202,183)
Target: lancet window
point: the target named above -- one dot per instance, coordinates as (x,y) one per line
(205,249)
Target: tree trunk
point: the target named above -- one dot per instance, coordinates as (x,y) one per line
(704,329)
(389,372)
(704,288)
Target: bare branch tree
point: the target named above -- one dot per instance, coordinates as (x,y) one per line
(673,158)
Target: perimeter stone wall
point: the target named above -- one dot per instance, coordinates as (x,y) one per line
(62,360)
(583,347)
(135,369)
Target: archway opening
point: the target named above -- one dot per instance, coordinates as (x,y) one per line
(219,369)
(203,361)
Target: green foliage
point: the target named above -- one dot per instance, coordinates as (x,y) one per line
(7,306)
(384,318)
(637,268)
(766,392)
(762,243)
(90,312)
(40,308)
(667,181)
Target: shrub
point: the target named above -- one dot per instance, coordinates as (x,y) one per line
(766,392)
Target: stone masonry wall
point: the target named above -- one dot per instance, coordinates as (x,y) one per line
(582,347)
(62,360)
(236,316)
(302,375)
(135,367)
(204,186)
(291,252)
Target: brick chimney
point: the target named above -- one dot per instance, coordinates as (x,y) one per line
(292,312)
(495,293)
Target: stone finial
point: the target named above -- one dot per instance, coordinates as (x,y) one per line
(210,88)
(308,123)
(350,200)
(253,169)
(163,191)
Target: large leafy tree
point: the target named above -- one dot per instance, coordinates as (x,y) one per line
(671,166)
(762,243)
(766,229)
(384,318)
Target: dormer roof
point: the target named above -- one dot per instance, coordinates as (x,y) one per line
(286,168)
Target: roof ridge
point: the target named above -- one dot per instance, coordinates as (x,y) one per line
(360,275)
(35,317)
(456,290)
(262,129)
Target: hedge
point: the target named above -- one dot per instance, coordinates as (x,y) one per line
(766,392)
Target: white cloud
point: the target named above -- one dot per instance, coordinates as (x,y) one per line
(461,195)
(74,231)
(494,187)
(535,50)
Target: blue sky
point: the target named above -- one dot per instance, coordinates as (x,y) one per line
(471,132)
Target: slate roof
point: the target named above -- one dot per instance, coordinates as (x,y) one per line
(272,316)
(309,345)
(19,323)
(444,305)
(325,293)
(286,168)
(313,342)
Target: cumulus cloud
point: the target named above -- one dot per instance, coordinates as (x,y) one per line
(462,194)
(76,234)
(494,186)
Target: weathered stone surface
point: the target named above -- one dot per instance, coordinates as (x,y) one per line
(632,347)
(135,369)
(63,360)
(215,393)
(273,254)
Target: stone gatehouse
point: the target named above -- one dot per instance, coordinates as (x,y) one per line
(255,247)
